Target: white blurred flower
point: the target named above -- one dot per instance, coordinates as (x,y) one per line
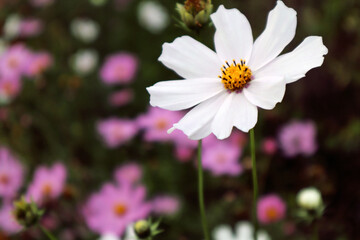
(153,16)
(309,198)
(84,61)
(243,231)
(109,236)
(84,29)
(129,235)
(12,26)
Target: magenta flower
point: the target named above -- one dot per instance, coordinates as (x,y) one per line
(222,158)
(11,174)
(166,205)
(130,173)
(112,209)
(119,68)
(38,63)
(14,61)
(184,153)
(121,98)
(271,208)
(156,122)
(47,184)
(8,223)
(298,138)
(269,146)
(116,131)
(9,88)
(30,27)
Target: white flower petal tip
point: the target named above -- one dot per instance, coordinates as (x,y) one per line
(171,130)
(294,65)
(279,31)
(232,28)
(190,58)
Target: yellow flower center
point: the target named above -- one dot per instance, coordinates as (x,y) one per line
(46,190)
(272,213)
(161,124)
(120,209)
(4,179)
(235,76)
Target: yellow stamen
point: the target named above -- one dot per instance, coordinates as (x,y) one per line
(46,190)
(272,213)
(120,209)
(4,179)
(235,76)
(161,124)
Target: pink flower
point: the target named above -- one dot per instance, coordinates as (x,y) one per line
(30,27)
(9,88)
(112,209)
(41,3)
(166,205)
(269,146)
(119,68)
(116,131)
(121,98)
(14,61)
(129,173)
(38,63)
(47,184)
(271,208)
(156,122)
(184,153)
(8,223)
(298,138)
(222,159)
(11,174)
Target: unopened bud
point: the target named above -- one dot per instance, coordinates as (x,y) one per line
(142,229)
(26,213)
(194,14)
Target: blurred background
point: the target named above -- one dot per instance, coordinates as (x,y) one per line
(76,128)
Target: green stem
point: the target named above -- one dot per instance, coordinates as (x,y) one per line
(201,194)
(316,230)
(47,233)
(255,183)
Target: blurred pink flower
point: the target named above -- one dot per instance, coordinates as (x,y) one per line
(11,174)
(222,159)
(121,98)
(129,173)
(8,223)
(14,61)
(41,3)
(116,131)
(38,63)
(165,205)
(298,138)
(47,184)
(271,208)
(119,68)
(184,153)
(30,27)
(113,208)
(156,122)
(269,146)
(9,88)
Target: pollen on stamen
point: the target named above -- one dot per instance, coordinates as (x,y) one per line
(236,76)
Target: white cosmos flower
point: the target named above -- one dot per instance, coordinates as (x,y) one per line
(258,81)
(243,231)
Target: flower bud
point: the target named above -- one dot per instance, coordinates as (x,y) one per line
(142,229)
(26,214)
(309,198)
(194,14)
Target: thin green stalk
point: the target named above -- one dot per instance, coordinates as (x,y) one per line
(316,230)
(47,233)
(201,194)
(255,183)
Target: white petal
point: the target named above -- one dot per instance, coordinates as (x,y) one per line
(223,232)
(279,31)
(196,124)
(265,91)
(182,94)
(244,230)
(233,36)
(294,65)
(190,58)
(235,111)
